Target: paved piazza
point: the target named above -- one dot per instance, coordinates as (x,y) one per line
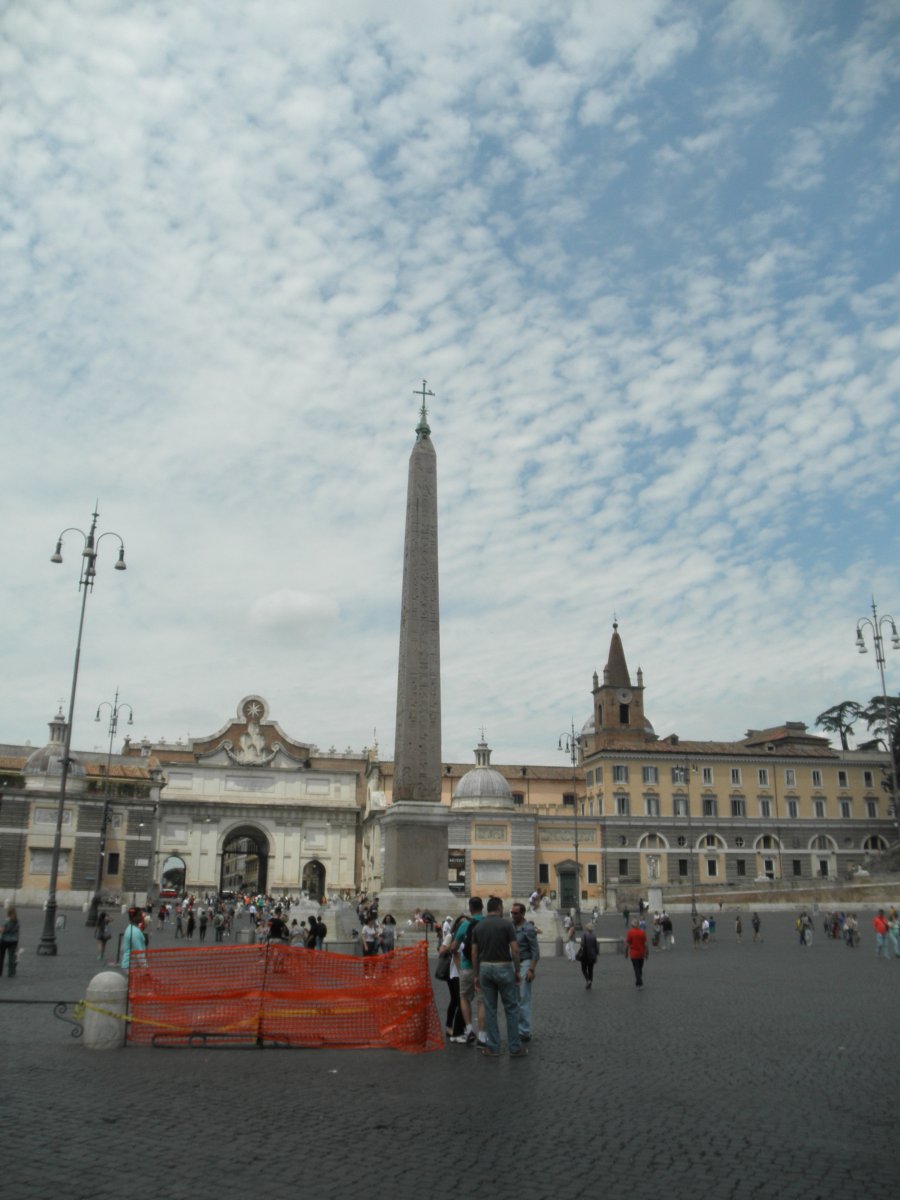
(740,1071)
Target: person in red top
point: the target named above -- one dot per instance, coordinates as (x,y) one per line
(636,949)
(881,927)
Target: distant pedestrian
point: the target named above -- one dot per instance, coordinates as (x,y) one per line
(368,938)
(893,924)
(133,941)
(9,941)
(738,928)
(388,933)
(589,952)
(695,932)
(102,934)
(851,930)
(569,937)
(879,924)
(191,925)
(179,924)
(204,921)
(636,951)
(757,924)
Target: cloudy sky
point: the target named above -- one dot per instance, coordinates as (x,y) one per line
(646,256)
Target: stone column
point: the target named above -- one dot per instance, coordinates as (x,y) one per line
(414,827)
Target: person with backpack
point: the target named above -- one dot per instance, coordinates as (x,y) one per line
(321,932)
(462,942)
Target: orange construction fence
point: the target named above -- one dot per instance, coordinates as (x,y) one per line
(282,995)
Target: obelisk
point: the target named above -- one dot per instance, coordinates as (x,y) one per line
(414,826)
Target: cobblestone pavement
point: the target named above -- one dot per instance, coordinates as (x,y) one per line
(740,1071)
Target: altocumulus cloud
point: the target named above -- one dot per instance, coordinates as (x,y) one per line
(285,611)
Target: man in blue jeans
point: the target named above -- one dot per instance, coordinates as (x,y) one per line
(495,958)
(529,954)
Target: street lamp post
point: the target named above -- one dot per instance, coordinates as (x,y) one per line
(47,944)
(114,709)
(569,743)
(875,624)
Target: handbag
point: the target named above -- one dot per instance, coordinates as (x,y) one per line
(442,970)
(579,957)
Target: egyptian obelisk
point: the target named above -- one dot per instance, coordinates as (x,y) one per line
(414,826)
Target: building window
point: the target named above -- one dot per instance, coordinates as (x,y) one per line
(816,777)
(796,866)
(590,778)
(842,779)
(679,774)
(790,777)
(518,797)
(738,807)
(792,809)
(819,808)
(651,774)
(712,867)
(763,776)
(41,861)
(765,808)
(620,773)
(708,776)
(112,863)
(569,799)
(872,809)
(710,840)
(592,872)
(543,872)
(599,806)
(741,866)
(846,810)
(681,806)
(868,779)
(682,840)
(710,806)
(623,714)
(735,776)
(598,775)
(651,806)
(682,867)
(622,806)
(623,866)
(739,841)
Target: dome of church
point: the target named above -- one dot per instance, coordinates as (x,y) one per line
(48,760)
(588,726)
(482,787)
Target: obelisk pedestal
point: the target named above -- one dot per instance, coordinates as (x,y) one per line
(414,827)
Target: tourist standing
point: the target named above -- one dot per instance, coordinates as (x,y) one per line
(454,1023)
(102,935)
(738,928)
(757,924)
(529,956)
(133,940)
(495,958)
(636,951)
(462,943)
(9,941)
(388,933)
(879,924)
(569,937)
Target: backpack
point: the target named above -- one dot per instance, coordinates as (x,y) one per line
(321,930)
(466,949)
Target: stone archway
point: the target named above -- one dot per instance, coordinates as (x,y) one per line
(313,880)
(245,861)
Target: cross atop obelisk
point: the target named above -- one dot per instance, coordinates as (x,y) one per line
(422,428)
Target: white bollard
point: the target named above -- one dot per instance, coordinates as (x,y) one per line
(108,990)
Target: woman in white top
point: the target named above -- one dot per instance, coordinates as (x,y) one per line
(455,1023)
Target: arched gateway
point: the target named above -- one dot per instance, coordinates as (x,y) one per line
(245,861)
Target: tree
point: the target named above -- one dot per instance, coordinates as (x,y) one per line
(882,716)
(840,718)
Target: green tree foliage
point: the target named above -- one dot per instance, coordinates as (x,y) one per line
(840,720)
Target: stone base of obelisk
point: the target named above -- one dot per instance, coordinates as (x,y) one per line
(414,835)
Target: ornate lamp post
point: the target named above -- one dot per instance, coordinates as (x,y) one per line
(875,624)
(47,944)
(568,742)
(114,709)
